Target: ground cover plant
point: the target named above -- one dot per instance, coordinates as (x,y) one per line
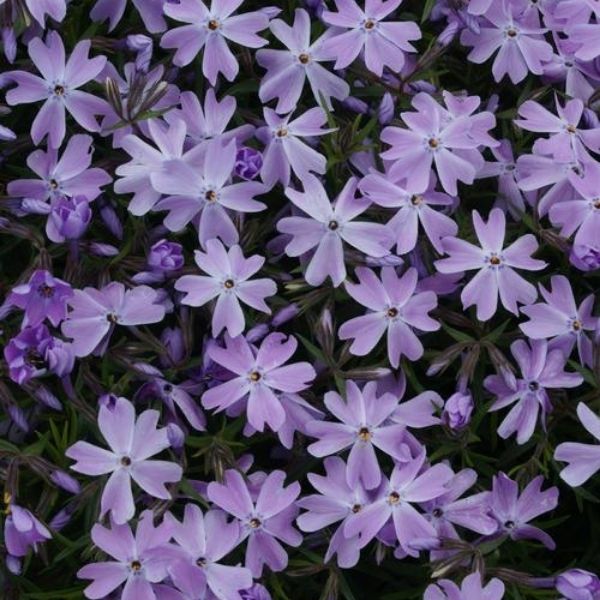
(298,299)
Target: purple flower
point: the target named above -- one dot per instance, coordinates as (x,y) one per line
(228,281)
(165,256)
(559,318)
(364,426)
(447,137)
(42,297)
(384,44)
(68,219)
(471,588)
(516,35)
(394,309)
(204,195)
(211,121)
(583,459)
(209,29)
(542,369)
(449,511)
(328,226)
(458,410)
(22,530)
(288,70)
(139,561)
(132,442)
(260,376)
(336,501)
(409,483)
(567,141)
(577,584)
(204,541)
(34,352)
(581,215)
(495,265)
(413,208)
(248,163)
(95,313)
(58,87)
(285,150)
(146,160)
(513,511)
(113,10)
(68,176)
(266,522)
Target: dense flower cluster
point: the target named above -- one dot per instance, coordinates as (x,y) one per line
(280,283)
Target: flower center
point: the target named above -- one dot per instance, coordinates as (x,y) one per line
(509,524)
(255,376)
(112,318)
(304,58)
(281,132)
(364,434)
(495,260)
(596,203)
(333,225)
(210,196)
(437,513)
(201,562)
(356,508)
(576,325)
(59,90)
(34,359)
(254,523)
(229,283)
(394,498)
(392,312)
(433,143)
(126,461)
(369,24)
(534,386)
(53,184)
(213,25)
(416,200)
(167,388)
(511,32)
(45,291)
(571,128)
(136,565)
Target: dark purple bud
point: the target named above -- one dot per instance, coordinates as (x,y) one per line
(248,163)
(9,43)
(176,436)
(284,315)
(33,206)
(256,592)
(356,105)
(449,33)
(257,333)
(385,112)
(142,45)
(69,218)
(46,397)
(577,584)
(65,481)
(18,417)
(111,220)
(107,400)
(584,257)
(165,256)
(458,410)
(105,250)
(172,340)
(315,7)
(61,519)
(270,11)
(13,564)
